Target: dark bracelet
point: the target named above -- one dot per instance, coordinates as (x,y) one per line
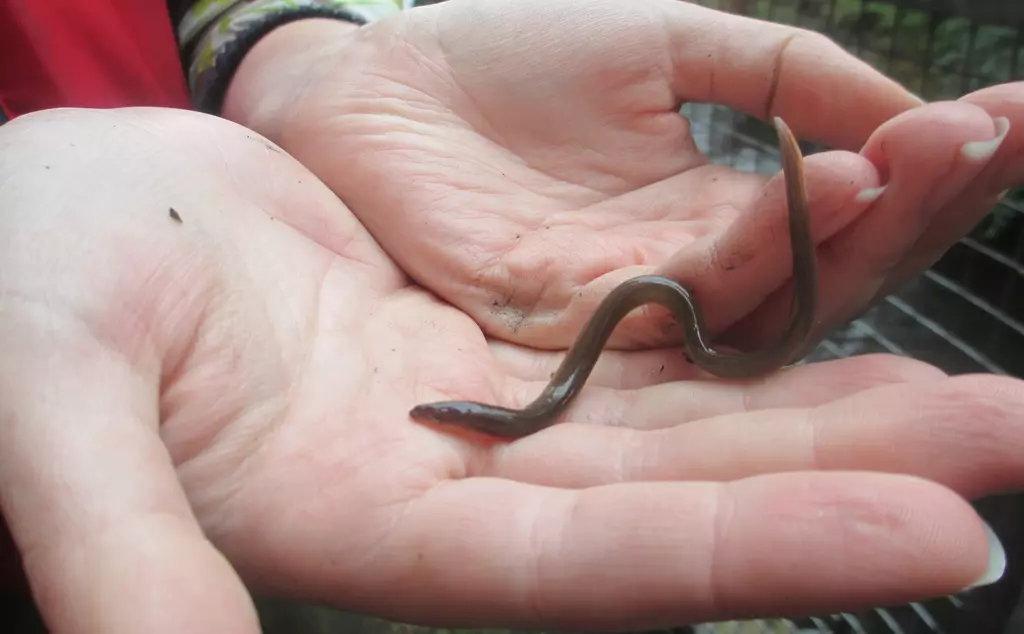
(212,84)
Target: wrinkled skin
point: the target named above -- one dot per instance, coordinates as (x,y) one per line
(189,405)
(521,158)
(185,407)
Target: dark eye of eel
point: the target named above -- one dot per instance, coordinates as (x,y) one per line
(574,370)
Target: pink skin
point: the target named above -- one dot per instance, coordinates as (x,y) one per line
(537,166)
(187,407)
(190,406)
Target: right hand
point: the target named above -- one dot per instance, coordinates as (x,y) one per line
(187,406)
(521,158)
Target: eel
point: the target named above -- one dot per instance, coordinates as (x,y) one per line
(572,373)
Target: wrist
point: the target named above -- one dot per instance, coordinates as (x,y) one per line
(279,68)
(216,35)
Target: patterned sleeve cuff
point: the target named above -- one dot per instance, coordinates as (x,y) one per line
(214,35)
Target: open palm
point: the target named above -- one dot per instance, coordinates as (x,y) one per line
(520,158)
(231,379)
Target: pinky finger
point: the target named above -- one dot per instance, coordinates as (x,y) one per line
(659,554)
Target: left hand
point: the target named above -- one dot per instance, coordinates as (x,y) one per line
(522,158)
(193,407)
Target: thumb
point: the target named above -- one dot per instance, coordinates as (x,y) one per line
(767,69)
(106,534)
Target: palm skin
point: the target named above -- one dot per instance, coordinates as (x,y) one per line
(190,405)
(520,159)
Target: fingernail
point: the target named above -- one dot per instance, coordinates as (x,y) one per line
(996,560)
(983,150)
(870,194)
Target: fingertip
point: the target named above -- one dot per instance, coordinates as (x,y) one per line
(982,151)
(869,195)
(909,142)
(996,560)
(869,538)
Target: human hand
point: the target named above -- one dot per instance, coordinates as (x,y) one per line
(522,158)
(194,400)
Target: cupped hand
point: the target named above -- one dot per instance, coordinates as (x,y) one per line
(207,369)
(522,158)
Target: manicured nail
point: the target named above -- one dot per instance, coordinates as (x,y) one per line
(996,560)
(870,194)
(983,150)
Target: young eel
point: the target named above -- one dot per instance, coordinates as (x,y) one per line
(574,370)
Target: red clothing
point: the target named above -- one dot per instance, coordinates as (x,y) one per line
(88,53)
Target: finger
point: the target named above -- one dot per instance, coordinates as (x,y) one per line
(922,170)
(632,556)
(1005,104)
(672,404)
(621,389)
(752,259)
(106,533)
(962,432)
(766,70)
(1002,171)
(731,270)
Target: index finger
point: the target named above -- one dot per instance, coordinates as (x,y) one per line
(766,70)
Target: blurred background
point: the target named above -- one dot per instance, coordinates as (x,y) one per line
(964,315)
